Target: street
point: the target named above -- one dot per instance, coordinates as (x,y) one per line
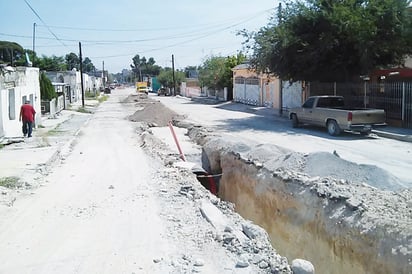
(118,201)
(264,127)
(108,208)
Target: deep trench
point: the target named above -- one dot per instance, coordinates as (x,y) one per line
(296,221)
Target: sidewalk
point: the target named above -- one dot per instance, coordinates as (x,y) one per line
(28,158)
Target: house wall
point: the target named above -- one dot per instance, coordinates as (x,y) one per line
(189,91)
(292,95)
(72,78)
(16,87)
(265,93)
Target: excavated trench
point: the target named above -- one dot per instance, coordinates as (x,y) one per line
(325,221)
(341,226)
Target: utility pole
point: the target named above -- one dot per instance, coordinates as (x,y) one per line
(173,75)
(81,73)
(104,77)
(34,38)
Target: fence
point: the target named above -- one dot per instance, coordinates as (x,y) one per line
(394,97)
(53,106)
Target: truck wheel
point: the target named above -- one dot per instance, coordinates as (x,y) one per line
(295,121)
(333,128)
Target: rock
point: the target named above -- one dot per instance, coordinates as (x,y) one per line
(243,261)
(242,264)
(157,260)
(263,265)
(252,231)
(300,266)
(199,262)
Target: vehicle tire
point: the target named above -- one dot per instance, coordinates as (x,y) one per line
(333,128)
(295,121)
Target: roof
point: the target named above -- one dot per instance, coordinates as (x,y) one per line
(242,66)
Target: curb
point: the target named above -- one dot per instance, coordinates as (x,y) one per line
(399,137)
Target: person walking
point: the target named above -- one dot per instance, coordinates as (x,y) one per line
(27,115)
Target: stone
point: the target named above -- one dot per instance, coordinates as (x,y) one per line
(199,262)
(263,265)
(300,266)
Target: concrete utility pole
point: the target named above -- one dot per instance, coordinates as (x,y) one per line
(104,77)
(81,73)
(173,75)
(34,38)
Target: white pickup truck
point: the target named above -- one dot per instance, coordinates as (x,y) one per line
(330,112)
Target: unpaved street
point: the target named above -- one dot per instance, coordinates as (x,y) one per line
(92,216)
(109,208)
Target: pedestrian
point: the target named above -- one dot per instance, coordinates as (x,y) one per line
(27,114)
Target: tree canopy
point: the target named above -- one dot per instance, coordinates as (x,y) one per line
(47,91)
(165,77)
(72,61)
(143,66)
(11,52)
(332,39)
(53,63)
(216,71)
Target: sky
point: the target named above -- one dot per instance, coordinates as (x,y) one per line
(113,32)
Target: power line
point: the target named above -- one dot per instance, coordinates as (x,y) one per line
(152,29)
(206,32)
(38,16)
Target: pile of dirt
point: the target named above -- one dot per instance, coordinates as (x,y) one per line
(151,111)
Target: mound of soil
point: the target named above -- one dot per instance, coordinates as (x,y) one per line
(151,111)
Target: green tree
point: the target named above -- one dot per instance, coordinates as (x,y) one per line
(88,65)
(165,77)
(53,63)
(47,91)
(216,71)
(72,61)
(332,40)
(151,68)
(143,66)
(136,66)
(10,53)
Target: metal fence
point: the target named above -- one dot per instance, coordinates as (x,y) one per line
(394,97)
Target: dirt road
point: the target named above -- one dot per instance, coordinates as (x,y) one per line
(92,217)
(109,207)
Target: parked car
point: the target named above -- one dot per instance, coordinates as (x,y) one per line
(330,112)
(163,91)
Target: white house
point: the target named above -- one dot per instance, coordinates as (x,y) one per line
(17,84)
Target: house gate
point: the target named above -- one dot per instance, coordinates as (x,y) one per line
(247,91)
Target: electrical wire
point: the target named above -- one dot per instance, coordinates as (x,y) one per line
(38,16)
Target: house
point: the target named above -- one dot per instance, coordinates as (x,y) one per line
(190,88)
(17,84)
(258,89)
(72,81)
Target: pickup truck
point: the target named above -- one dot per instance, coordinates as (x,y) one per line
(330,112)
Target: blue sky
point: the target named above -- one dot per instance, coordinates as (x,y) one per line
(115,31)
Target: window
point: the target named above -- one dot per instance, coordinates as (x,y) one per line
(252,81)
(12,105)
(239,80)
(332,102)
(309,103)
